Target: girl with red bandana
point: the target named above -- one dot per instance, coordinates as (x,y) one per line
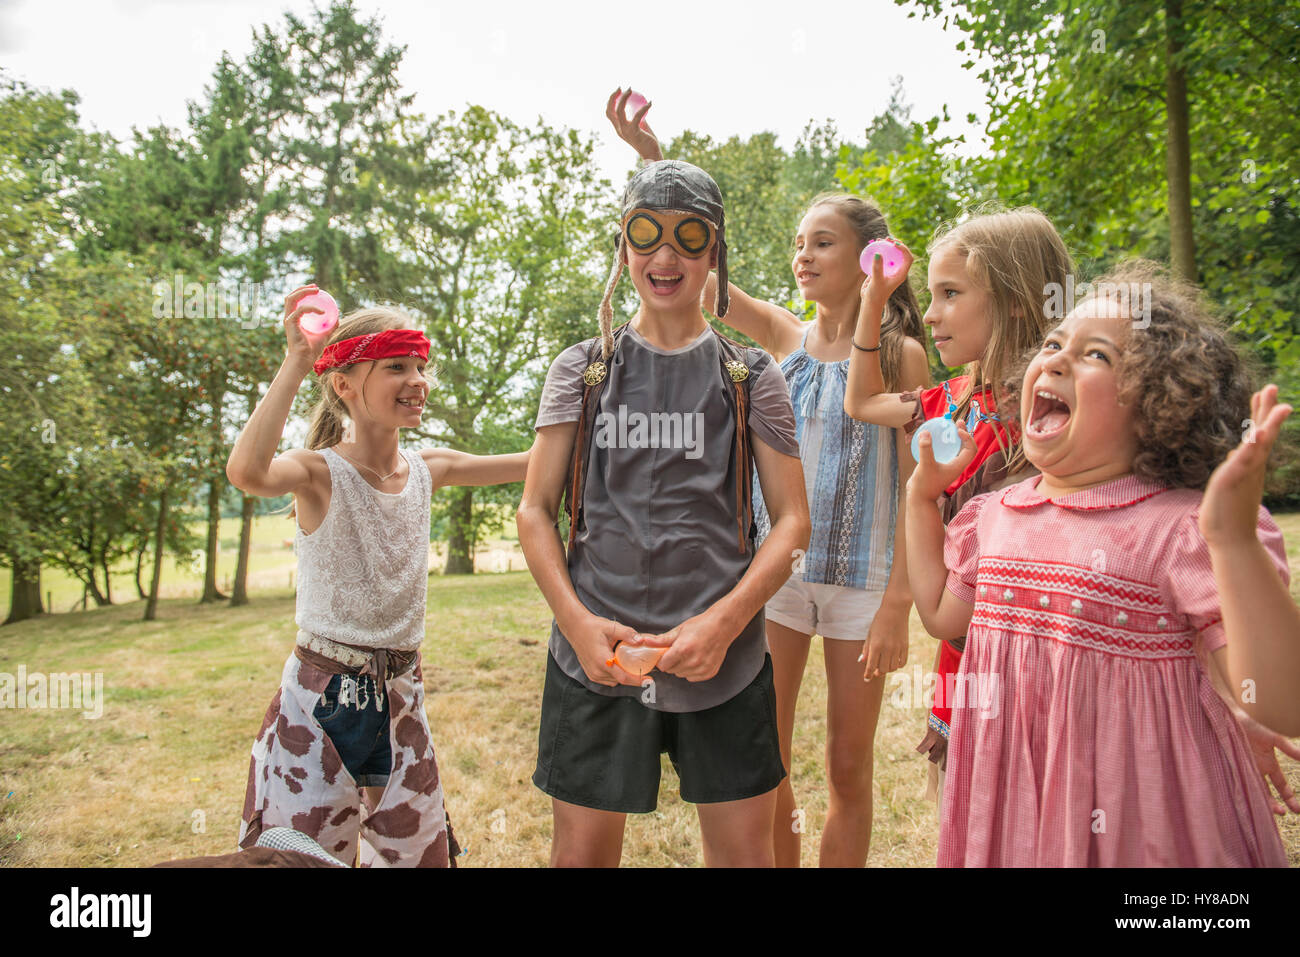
(344,753)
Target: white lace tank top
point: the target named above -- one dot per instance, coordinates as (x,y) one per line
(363,575)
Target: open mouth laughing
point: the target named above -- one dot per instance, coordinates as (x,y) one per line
(1049,415)
(665,283)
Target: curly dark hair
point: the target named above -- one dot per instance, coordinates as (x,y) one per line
(1188,385)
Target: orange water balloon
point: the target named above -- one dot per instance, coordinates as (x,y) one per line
(636,659)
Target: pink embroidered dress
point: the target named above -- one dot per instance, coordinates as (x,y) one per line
(1090,733)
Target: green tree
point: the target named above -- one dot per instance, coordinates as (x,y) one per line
(38,134)
(1160,130)
(496,236)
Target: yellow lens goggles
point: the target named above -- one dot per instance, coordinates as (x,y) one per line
(689,235)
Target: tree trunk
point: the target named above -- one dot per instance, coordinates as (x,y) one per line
(91,584)
(210,591)
(151,607)
(460,538)
(139,563)
(1178,154)
(246,518)
(108,588)
(24,590)
(240,596)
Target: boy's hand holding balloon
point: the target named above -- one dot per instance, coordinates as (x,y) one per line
(930,479)
(634,658)
(593,640)
(634,131)
(695,649)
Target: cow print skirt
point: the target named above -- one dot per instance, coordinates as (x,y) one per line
(297,779)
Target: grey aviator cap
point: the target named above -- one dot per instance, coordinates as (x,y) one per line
(670,185)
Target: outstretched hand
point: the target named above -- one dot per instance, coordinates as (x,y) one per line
(1230,506)
(1264,745)
(642,139)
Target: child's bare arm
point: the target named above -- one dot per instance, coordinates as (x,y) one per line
(450,467)
(865,397)
(1260,620)
(591,636)
(700,644)
(777,330)
(253,466)
(944,615)
(886,647)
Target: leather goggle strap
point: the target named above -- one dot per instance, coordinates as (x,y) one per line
(591,393)
(744,471)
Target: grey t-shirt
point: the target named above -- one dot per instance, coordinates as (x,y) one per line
(658,543)
(771,416)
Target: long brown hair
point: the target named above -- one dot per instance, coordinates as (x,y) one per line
(1017,257)
(902,311)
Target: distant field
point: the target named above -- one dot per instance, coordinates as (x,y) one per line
(271,560)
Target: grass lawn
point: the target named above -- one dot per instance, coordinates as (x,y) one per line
(161,774)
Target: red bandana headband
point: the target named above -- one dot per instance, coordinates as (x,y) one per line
(376,345)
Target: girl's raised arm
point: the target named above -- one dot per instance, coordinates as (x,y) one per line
(1260,620)
(778,331)
(253,466)
(865,397)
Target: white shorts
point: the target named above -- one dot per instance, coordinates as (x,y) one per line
(832,611)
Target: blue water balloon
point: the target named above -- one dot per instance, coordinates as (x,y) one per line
(945,442)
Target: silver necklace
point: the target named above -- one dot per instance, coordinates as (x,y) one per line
(382,478)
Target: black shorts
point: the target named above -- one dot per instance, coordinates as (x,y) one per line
(602,752)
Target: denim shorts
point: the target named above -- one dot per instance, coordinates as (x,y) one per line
(602,751)
(359,734)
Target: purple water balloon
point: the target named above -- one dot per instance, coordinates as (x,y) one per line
(891,257)
(634,102)
(319,323)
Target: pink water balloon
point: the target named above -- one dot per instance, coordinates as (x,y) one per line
(891,257)
(319,323)
(636,659)
(634,102)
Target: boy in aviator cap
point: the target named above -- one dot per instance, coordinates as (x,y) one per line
(650,434)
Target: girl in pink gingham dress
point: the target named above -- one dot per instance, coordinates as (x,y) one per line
(1087,729)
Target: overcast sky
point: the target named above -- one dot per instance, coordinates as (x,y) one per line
(722,68)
